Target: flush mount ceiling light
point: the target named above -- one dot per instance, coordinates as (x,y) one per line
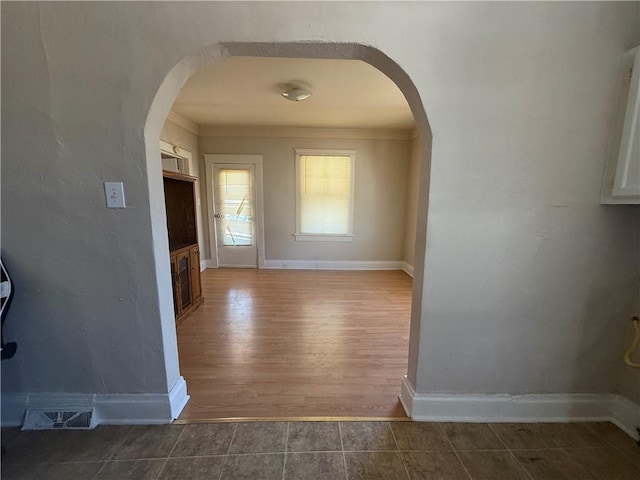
(295,93)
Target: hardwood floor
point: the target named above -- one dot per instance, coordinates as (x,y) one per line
(296,343)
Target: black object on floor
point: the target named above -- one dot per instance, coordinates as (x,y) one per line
(6,296)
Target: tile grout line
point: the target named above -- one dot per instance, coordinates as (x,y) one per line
(113,453)
(75,462)
(120,443)
(510,452)
(590,426)
(170,452)
(226,457)
(286,446)
(344,458)
(395,440)
(184,457)
(497,436)
(464,467)
(99,470)
(621,450)
(513,455)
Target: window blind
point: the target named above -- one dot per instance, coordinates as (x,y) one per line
(325,194)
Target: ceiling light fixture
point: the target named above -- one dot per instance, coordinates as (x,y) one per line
(295,93)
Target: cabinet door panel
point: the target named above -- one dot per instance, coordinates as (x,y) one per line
(196,288)
(175,285)
(184,280)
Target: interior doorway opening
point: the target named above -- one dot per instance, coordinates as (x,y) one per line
(423,140)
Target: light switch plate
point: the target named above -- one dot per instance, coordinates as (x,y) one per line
(114,192)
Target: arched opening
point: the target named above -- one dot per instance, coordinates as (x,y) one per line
(160,108)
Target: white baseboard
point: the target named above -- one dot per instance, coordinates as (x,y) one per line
(331,265)
(626,415)
(571,407)
(407,393)
(13,409)
(207,263)
(408,269)
(178,398)
(113,409)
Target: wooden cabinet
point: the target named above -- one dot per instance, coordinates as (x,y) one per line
(185,272)
(183,243)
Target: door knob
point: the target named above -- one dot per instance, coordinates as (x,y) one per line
(217,215)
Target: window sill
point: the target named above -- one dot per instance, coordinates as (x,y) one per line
(307,237)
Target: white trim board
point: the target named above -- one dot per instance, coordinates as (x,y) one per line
(626,415)
(331,265)
(500,408)
(179,120)
(207,263)
(307,132)
(110,409)
(408,269)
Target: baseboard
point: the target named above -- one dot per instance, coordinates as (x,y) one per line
(571,407)
(178,398)
(407,393)
(408,269)
(331,265)
(113,409)
(207,263)
(237,266)
(626,415)
(13,409)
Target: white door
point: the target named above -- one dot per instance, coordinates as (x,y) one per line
(234,215)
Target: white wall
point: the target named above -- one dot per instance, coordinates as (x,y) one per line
(526,274)
(181,137)
(379,201)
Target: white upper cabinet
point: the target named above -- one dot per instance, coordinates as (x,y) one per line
(621,183)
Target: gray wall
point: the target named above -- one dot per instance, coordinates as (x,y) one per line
(628,381)
(379,202)
(526,274)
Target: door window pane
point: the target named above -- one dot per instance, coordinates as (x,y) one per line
(235,207)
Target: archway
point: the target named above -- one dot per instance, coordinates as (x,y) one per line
(158,112)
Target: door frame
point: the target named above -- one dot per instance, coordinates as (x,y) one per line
(211,159)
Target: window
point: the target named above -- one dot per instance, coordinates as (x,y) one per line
(324,185)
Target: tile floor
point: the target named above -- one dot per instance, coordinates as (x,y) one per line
(325,450)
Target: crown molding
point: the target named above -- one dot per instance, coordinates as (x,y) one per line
(183,122)
(305,132)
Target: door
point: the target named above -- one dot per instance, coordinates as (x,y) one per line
(234,215)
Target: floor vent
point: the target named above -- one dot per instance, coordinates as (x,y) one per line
(58,420)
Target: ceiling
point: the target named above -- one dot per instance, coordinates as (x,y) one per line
(245,91)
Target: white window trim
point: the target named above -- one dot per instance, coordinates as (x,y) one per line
(184,156)
(314,237)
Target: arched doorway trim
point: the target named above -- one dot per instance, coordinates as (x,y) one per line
(158,112)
